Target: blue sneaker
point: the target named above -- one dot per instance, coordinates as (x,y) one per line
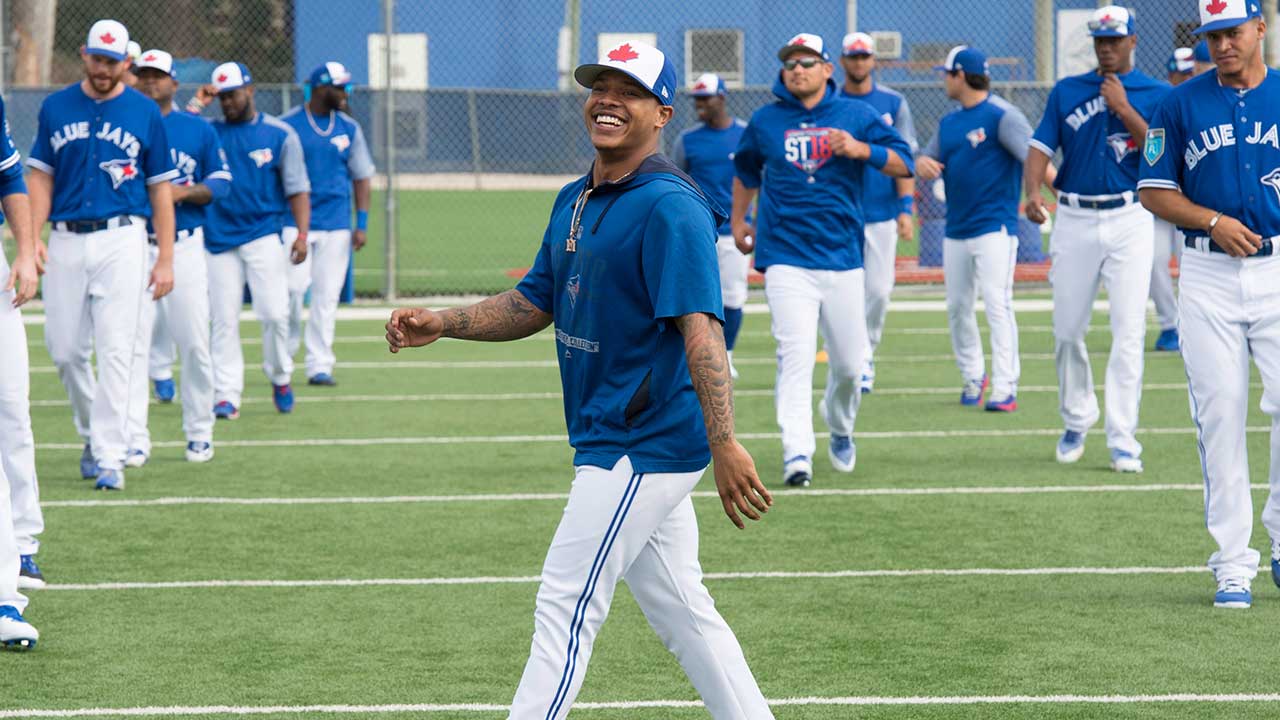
(29,576)
(165,390)
(1125,462)
(324,379)
(1233,593)
(225,411)
(1070,446)
(1168,341)
(16,632)
(282,396)
(843,453)
(973,391)
(110,480)
(135,458)
(797,471)
(1006,405)
(88,466)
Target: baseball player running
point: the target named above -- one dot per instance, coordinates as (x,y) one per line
(244,242)
(886,201)
(338,165)
(627,273)
(705,151)
(99,168)
(808,151)
(979,150)
(1212,167)
(1168,241)
(1102,234)
(184,313)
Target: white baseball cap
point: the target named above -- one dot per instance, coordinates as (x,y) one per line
(1182,60)
(156,60)
(707,85)
(108,38)
(231,75)
(803,42)
(133,50)
(1111,21)
(1224,14)
(858,43)
(644,63)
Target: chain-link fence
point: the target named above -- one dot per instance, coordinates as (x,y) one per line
(485,123)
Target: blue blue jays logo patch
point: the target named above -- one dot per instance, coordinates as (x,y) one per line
(120,171)
(573,286)
(1153,150)
(1122,144)
(1272,179)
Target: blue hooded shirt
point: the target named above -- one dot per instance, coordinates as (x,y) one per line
(810,214)
(645,253)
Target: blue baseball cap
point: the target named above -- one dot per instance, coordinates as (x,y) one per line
(1200,53)
(644,63)
(1224,14)
(1111,21)
(1181,61)
(965,59)
(334,74)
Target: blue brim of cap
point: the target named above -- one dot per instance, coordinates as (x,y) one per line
(942,68)
(1109,33)
(858,53)
(106,53)
(1223,24)
(705,94)
(587,74)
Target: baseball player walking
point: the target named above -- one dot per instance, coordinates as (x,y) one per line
(244,239)
(886,201)
(203,178)
(705,151)
(979,150)
(1102,234)
(338,166)
(1212,167)
(809,150)
(626,271)
(20,515)
(99,168)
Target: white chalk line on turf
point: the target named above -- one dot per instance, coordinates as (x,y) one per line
(872,700)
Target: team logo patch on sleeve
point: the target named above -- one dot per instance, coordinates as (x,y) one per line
(1153,150)
(120,171)
(261,156)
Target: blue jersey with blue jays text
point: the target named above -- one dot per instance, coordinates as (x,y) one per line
(336,154)
(265,159)
(198,157)
(1221,148)
(809,212)
(706,153)
(1099,156)
(645,253)
(880,201)
(11,180)
(102,154)
(982,149)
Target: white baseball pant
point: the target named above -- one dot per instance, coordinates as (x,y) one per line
(734,267)
(1168,245)
(323,272)
(185,312)
(619,525)
(983,264)
(93,288)
(9,557)
(163,352)
(1230,311)
(879,255)
(1112,247)
(22,516)
(802,302)
(264,266)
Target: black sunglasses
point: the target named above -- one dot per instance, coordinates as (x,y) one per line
(806,62)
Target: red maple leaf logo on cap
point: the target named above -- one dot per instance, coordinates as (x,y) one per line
(1106,18)
(700,86)
(797,40)
(1215,7)
(150,58)
(222,77)
(107,38)
(623,53)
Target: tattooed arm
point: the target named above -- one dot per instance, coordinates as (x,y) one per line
(507,316)
(735,472)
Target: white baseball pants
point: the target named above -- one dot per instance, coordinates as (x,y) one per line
(734,267)
(9,557)
(1168,245)
(802,302)
(22,515)
(1112,247)
(1230,311)
(93,288)
(185,315)
(879,255)
(983,264)
(323,272)
(619,525)
(263,265)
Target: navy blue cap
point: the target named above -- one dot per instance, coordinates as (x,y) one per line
(967,60)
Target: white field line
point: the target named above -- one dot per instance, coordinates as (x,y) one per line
(491,439)
(561,497)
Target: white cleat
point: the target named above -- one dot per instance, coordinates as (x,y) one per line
(135,459)
(1124,462)
(199,452)
(15,632)
(1070,447)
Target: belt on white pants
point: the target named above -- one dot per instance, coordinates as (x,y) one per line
(1201,243)
(84,227)
(1098,202)
(179,236)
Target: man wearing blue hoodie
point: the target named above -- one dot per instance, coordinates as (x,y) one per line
(627,272)
(809,150)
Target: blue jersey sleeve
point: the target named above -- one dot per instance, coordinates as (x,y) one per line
(157,163)
(359,162)
(1015,133)
(293,166)
(748,161)
(537,285)
(1160,168)
(42,157)
(907,125)
(1046,138)
(11,180)
(217,174)
(679,262)
(878,132)
(934,147)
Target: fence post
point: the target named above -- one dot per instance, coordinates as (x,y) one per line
(1271,43)
(389,152)
(473,118)
(1045,41)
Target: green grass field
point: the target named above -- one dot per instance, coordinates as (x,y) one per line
(307,499)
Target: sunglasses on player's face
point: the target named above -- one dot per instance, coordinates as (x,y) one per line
(1108,23)
(804,62)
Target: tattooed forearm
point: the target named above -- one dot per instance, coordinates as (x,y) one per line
(507,316)
(709,369)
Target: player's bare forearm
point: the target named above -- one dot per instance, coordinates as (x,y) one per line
(905,186)
(162,218)
(197,194)
(743,196)
(704,350)
(1174,207)
(1133,122)
(1033,171)
(1050,177)
(506,316)
(895,167)
(17,210)
(363,191)
(300,206)
(40,192)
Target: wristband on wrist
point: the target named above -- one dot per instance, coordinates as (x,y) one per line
(1213,222)
(362,219)
(907,204)
(877,157)
(195,105)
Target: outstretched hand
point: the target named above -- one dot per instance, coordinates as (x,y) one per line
(738,484)
(413,327)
